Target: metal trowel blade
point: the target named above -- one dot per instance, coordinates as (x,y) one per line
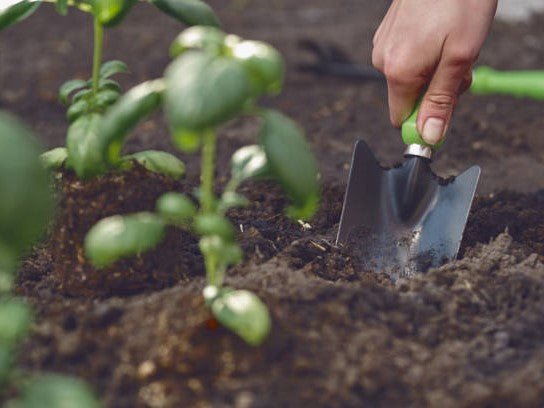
(405,219)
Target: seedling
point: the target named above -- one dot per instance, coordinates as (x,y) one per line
(25,208)
(88,100)
(214,78)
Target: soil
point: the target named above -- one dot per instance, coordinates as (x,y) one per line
(466,334)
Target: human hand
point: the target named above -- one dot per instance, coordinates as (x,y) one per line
(430,44)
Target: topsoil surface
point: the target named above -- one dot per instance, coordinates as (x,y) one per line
(466,334)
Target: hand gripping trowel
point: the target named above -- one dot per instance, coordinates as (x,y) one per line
(405,219)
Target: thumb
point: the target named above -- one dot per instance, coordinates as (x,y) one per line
(441,97)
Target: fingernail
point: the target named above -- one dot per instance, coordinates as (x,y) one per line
(433,130)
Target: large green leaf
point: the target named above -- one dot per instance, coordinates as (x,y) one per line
(85,152)
(190,12)
(118,237)
(55,158)
(291,162)
(159,162)
(111,12)
(122,117)
(245,314)
(13,11)
(25,204)
(204,91)
(15,317)
(58,392)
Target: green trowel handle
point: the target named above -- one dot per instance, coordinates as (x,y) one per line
(410,134)
(486,80)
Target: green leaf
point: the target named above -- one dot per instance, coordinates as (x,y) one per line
(13,11)
(105,99)
(230,199)
(111,68)
(187,141)
(15,317)
(224,253)
(109,84)
(111,12)
(291,162)
(214,224)
(54,158)
(26,204)
(122,117)
(176,208)
(62,7)
(203,91)
(77,110)
(7,355)
(85,152)
(159,162)
(190,12)
(209,39)
(58,391)
(249,162)
(83,94)
(118,237)
(68,87)
(245,314)
(263,63)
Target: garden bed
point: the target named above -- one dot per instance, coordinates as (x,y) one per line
(467,334)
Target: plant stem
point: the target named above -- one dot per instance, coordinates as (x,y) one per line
(207,172)
(97,55)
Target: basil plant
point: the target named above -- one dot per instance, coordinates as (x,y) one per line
(214,78)
(88,100)
(26,207)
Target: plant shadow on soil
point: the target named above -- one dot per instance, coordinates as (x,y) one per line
(343,336)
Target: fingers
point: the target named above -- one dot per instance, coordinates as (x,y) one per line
(451,78)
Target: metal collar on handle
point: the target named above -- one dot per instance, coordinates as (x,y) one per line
(418,150)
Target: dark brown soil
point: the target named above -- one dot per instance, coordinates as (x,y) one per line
(468,334)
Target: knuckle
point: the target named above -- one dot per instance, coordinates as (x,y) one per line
(377,60)
(441,101)
(461,57)
(398,70)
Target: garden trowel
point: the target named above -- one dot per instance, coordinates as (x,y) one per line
(405,219)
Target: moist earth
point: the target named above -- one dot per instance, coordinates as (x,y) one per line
(466,334)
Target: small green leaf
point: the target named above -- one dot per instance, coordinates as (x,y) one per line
(62,7)
(58,391)
(109,84)
(13,11)
(203,91)
(55,158)
(118,237)
(15,316)
(159,162)
(214,224)
(176,208)
(249,162)
(26,203)
(223,252)
(245,314)
(111,12)
(77,110)
(187,141)
(105,99)
(209,39)
(291,162)
(190,12)
(263,63)
(83,94)
(85,153)
(68,87)
(122,117)
(231,199)
(111,68)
